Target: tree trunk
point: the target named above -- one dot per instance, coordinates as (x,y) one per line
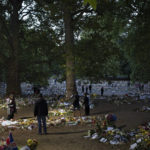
(70,60)
(13,82)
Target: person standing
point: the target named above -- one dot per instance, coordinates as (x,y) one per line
(90,88)
(86,103)
(82,88)
(128,83)
(41,111)
(76,104)
(36,90)
(86,89)
(102,91)
(11,106)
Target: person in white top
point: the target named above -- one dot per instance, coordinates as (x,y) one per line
(11,106)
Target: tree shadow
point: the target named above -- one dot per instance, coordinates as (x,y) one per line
(25,117)
(102,112)
(64,133)
(122,126)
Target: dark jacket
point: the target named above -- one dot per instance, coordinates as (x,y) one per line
(76,102)
(86,101)
(41,108)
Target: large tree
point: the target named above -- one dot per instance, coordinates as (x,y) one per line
(135,40)
(97,53)
(27,48)
(66,15)
(11,24)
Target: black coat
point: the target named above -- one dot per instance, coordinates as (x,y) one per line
(86,101)
(76,102)
(41,108)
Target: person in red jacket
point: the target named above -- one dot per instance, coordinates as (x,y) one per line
(41,111)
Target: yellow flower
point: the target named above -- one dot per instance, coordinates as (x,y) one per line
(145,140)
(146,132)
(29,142)
(136,135)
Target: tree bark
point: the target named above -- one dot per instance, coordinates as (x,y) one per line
(70,60)
(13,82)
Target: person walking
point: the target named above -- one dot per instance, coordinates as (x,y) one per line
(41,111)
(11,106)
(86,103)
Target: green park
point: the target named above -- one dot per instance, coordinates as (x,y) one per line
(74,75)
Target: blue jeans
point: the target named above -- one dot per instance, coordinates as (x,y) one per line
(42,121)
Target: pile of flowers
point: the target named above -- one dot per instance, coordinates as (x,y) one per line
(29,124)
(143,109)
(94,95)
(20,102)
(56,118)
(141,138)
(9,144)
(106,132)
(60,112)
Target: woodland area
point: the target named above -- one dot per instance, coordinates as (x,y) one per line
(73,39)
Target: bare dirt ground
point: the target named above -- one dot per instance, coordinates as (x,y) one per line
(71,137)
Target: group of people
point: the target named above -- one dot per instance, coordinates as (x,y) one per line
(41,109)
(85,89)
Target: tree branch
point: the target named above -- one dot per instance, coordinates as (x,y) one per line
(25,14)
(30,11)
(81,13)
(24,8)
(80,10)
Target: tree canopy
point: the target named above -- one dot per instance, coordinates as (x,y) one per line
(91,39)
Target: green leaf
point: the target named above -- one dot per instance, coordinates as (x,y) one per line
(93,3)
